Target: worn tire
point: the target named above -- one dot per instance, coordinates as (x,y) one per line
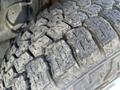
(74,45)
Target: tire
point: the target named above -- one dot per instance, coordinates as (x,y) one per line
(74,45)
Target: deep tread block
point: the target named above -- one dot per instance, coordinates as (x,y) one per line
(62,63)
(22,61)
(103,32)
(22,48)
(57,55)
(85,48)
(37,48)
(106,4)
(113,16)
(58,30)
(8,78)
(37,72)
(75,19)
(10,63)
(19,84)
(83,3)
(92,10)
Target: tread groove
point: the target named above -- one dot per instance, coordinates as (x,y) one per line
(72,50)
(49,69)
(27,80)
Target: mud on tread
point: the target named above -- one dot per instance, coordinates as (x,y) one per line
(68,45)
